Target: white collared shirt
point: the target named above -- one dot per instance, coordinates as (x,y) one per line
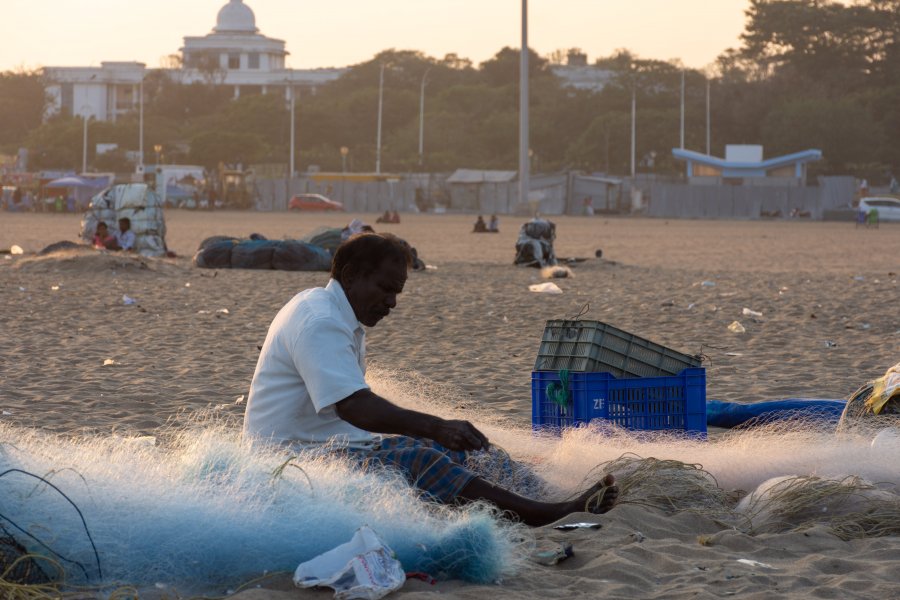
(125,240)
(314,356)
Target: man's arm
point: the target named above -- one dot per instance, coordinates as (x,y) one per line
(369,411)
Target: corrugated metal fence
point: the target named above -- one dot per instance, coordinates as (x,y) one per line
(559,194)
(745,202)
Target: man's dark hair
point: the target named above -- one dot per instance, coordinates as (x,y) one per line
(125,220)
(366,251)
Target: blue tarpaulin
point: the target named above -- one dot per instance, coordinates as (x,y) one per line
(732,414)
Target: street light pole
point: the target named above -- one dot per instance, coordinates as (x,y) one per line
(380,103)
(523,109)
(422,118)
(633,125)
(344,152)
(682,109)
(707,116)
(141,126)
(293,163)
(84,118)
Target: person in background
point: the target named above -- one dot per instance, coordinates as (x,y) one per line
(494,225)
(480,226)
(102,238)
(124,237)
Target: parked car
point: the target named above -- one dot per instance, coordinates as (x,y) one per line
(313,202)
(888,208)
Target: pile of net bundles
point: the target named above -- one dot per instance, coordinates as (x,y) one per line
(222,252)
(534,247)
(138,203)
(876,402)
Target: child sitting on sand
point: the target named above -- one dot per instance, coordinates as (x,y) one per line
(102,238)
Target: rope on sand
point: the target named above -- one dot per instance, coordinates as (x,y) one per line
(668,485)
(849,507)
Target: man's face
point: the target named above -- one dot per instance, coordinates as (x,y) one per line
(124,226)
(373,295)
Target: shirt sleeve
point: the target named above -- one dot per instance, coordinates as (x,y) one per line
(324,355)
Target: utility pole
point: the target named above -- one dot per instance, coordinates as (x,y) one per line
(292,168)
(682,109)
(380,103)
(523,109)
(633,126)
(707,117)
(422,119)
(141,126)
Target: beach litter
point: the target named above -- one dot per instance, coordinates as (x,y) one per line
(751,313)
(222,311)
(571,526)
(109,362)
(15,249)
(755,563)
(545,288)
(365,567)
(830,344)
(707,284)
(128,300)
(736,327)
(555,556)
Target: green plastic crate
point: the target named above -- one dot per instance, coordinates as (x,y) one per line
(592,346)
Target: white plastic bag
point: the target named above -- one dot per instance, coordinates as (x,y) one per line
(545,288)
(364,567)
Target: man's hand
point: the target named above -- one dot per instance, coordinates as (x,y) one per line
(371,412)
(459,435)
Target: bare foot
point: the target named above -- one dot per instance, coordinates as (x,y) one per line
(602,497)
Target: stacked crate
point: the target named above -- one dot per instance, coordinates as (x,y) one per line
(588,370)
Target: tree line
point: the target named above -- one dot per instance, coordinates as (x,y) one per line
(807,74)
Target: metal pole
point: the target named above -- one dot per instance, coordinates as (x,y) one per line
(380,103)
(293,168)
(141,126)
(633,127)
(682,110)
(523,109)
(707,117)
(84,145)
(422,119)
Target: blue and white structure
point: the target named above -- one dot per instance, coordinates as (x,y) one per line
(744,165)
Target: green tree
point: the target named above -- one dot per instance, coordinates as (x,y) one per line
(22,106)
(213,147)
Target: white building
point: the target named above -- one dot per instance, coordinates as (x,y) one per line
(233,54)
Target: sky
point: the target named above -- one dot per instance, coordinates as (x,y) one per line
(338,33)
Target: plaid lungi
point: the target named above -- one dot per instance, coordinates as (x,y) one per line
(428,466)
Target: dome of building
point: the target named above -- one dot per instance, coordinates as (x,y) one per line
(235,17)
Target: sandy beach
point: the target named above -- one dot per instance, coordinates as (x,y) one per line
(827,293)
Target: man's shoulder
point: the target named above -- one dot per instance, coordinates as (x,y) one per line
(312,305)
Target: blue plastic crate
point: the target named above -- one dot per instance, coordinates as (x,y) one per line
(676,402)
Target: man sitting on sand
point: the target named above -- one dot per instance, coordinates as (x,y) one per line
(309,389)
(124,237)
